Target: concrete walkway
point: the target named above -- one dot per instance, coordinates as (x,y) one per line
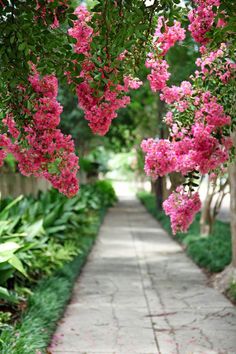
(140,294)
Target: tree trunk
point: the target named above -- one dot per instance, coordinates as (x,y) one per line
(165,191)
(206,219)
(176,179)
(159,182)
(228,276)
(159,193)
(233,206)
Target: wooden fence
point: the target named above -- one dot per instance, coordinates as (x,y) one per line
(14,184)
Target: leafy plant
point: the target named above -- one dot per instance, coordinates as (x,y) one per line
(9,262)
(39,235)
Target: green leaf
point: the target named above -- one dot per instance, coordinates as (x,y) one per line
(4,212)
(16,263)
(35,229)
(21,46)
(6,295)
(7,250)
(73,17)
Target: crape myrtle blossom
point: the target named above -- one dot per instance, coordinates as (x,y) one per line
(162,42)
(182,208)
(100,106)
(202,19)
(5,144)
(100,111)
(166,36)
(177,95)
(216,63)
(159,72)
(198,151)
(160,158)
(193,147)
(10,123)
(41,149)
(81,31)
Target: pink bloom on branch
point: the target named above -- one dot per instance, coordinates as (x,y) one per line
(182,208)
(122,55)
(55,23)
(81,31)
(166,36)
(11,125)
(221,23)
(100,111)
(202,19)
(5,145)
(159,73)
(169,118)
(207,152)
(100,97)
(45,151)
(47,85)
(160,157)
(131,83)
(215,115)
(177,94)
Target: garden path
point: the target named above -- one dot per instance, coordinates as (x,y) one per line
(140,294)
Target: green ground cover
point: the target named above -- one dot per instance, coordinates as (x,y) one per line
(48,241)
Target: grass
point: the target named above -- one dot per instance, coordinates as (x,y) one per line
(212,253)
(33,332)
(232,292)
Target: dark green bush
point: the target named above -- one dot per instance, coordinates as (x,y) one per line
(232,291)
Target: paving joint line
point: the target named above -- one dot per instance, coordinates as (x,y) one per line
(142,283)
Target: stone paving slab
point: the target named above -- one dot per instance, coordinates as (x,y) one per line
(140,294)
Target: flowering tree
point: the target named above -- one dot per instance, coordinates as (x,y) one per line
(98,54)
(200,115)
(45,40)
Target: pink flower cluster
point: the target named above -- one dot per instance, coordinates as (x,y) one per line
(164,38)
(100,104)
(81,31)
(199,151)
(100,111)
(5,144)
(182,208)
(160,157)
(191,148)
(159,72)
(178,95)
(201,19)
(42,150)
(216,63)
(213,113)
(10,123)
